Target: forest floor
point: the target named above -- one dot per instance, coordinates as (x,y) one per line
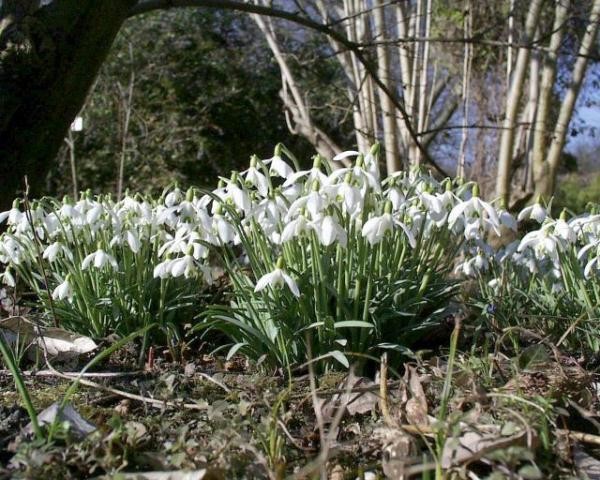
(521,412)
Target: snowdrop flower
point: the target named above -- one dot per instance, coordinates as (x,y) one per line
(475,208)
(507,220)
(315,202)
(63,291)
(128,237)
(256,178)
(347,154)
(564,231)
(359,174)
(533,212)
(375,228)
(329,230)
(52,224)
(14,215)
(11,251)
(93,214)
(314,174)
(277,165)
(173,198)
(52,251)
(437,206)
(369,161)
(162,269)
(350,196)
(238,196)
(99,259)
(185,266)
(276,279)
(295,228)
(269,211)
(223,231)
(543,244)
(474,266)
(7,278)
(592,263)
(395,195)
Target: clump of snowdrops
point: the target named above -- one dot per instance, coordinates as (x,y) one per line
(548,279)
(337,261)
(91,263)
(332,260)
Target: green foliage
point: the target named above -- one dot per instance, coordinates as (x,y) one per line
(205,92)
(577,195)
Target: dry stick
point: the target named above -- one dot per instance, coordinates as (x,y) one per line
(383,392)
(291,438)
(38,243)
(132,396)
(580,436)
(50,373)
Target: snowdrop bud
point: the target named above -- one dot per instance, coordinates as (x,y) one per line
(476,190)
(447,185)
(375,149)
(253,161)
(277,151)
(317,161)
(563,214)
(189,195)
(280,263)
(360,160)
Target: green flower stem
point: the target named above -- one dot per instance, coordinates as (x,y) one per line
(11,363)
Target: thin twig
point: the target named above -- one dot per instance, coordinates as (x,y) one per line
(383,391)
(50,373)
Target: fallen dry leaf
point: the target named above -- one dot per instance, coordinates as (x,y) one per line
(78,426)
(472,446)
(416,406)
(57,342)
(587,466)
(356,403)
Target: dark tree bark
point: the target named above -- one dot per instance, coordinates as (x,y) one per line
(49,59)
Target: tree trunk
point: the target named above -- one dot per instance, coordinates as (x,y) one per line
(540,133)
(390,138)
(545,183)
(49,59)
(512,104)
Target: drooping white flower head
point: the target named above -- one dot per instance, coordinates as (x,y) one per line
(329,230)
(533,212)
(277,279)
(475,210)
(256,178)
(64,291)
(99,259)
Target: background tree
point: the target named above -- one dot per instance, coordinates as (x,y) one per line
(403,83)
(203,86)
